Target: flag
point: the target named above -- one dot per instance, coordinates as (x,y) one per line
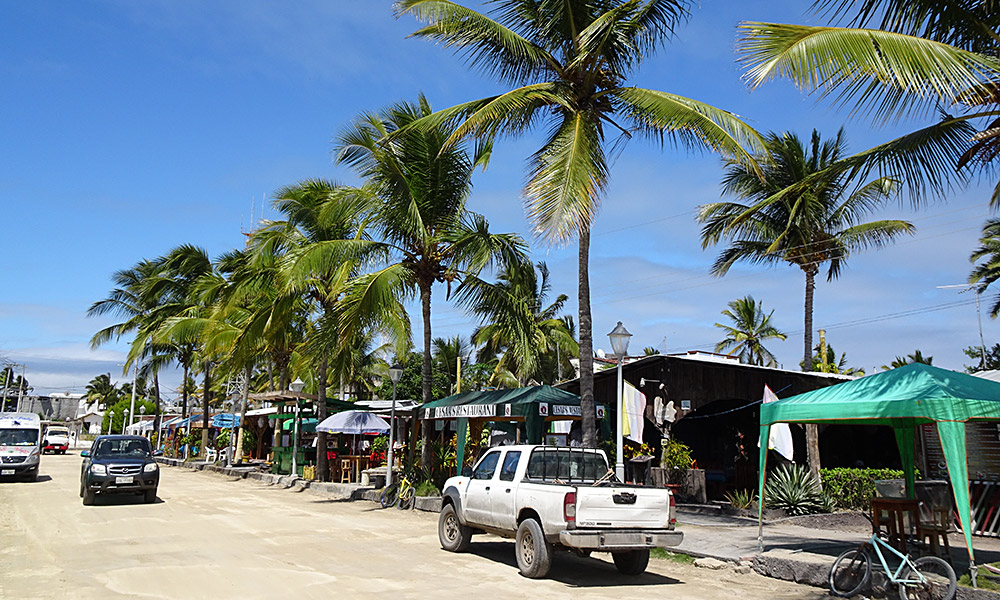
(634,406)
(780,439)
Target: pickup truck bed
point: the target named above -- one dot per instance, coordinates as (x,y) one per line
(549,497)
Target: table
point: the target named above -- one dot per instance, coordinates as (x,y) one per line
(351,467)
(899,518)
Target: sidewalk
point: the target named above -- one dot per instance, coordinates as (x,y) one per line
(801,554)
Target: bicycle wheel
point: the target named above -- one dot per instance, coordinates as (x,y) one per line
(850,573)
(389,495)
(406,498)
(937,581)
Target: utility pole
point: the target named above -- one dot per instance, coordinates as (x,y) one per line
(20,389)
(8,372)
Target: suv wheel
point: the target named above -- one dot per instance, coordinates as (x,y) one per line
(88,497)
(150,496)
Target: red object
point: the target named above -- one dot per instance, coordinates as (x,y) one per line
(569,507)
(330,455)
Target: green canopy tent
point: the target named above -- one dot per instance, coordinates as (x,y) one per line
(901,398)
(534,405)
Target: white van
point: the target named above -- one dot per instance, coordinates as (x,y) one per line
(20,445)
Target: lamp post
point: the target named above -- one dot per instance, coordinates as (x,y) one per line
(111,418)
(395,372)
(125,419)
(619,337)
(232,431)
(142,411)
(296,386)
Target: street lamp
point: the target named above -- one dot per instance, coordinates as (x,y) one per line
(619,337)
(296,386)
(395,372)
(111,418)
(124,419)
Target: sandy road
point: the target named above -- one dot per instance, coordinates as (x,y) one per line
(211,537)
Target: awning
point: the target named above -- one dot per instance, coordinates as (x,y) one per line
(305,425)
(903,399)
(226,420)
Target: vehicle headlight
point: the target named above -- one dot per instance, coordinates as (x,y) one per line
(98,470)
(149,468)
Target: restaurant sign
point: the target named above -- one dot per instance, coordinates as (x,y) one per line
(469,410)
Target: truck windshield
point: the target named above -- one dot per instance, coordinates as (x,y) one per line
(566,464)
(18,437)
(126,448)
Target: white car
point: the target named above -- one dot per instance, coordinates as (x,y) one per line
(551,497)
(56,439)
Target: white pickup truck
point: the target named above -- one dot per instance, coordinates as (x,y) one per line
(550,497)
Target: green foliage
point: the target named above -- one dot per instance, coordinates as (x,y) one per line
(222,440)
(991,362)
(409,386)
(249,440)
(116,413)
(677,557)
(427,488)
(853,489)
(741,498)
(380,443)
(676,455)
(793,489)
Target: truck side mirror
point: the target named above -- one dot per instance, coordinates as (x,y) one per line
(466,471)
(85,453)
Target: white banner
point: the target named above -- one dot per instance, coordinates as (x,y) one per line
(470,410)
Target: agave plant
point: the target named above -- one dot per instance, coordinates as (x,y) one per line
(794,489)
(741,498)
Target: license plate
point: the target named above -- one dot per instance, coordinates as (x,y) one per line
(121,480)
(7,472)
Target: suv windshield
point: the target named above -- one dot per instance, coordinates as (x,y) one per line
(18,437)
(127,448)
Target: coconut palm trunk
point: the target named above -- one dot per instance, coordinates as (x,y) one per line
(812,430)
(587,408)
(206,383)
(425,432)
(156,390)
(322,466)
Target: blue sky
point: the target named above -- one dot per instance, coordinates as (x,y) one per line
(132,127)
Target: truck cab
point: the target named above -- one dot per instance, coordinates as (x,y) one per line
(20,445)
(56,439)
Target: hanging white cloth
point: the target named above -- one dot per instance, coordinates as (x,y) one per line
(780,439)
(632,412)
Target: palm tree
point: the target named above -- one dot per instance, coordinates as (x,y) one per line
(568,63)
(986,260)
(750,328)
(447,353)
(916,357)
(832,364)
(926,56)
(516,323)
(101,390)
(426,234)
(817,224)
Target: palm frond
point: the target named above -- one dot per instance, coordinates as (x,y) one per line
(883,73)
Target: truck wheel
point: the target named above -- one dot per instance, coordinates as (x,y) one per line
(454,536)
(81,489)
(88,497)
(150,496)
(534,555)
(633,562)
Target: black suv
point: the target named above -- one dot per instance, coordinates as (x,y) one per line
(119,464)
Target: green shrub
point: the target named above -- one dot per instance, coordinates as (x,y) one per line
(676,455)
(793,489)
(427,488)
(853,489)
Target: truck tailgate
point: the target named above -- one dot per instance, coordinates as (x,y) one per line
(622,507)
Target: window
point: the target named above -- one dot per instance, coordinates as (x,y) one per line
(487,466)
(128,447)
(509,465)
(567,465)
